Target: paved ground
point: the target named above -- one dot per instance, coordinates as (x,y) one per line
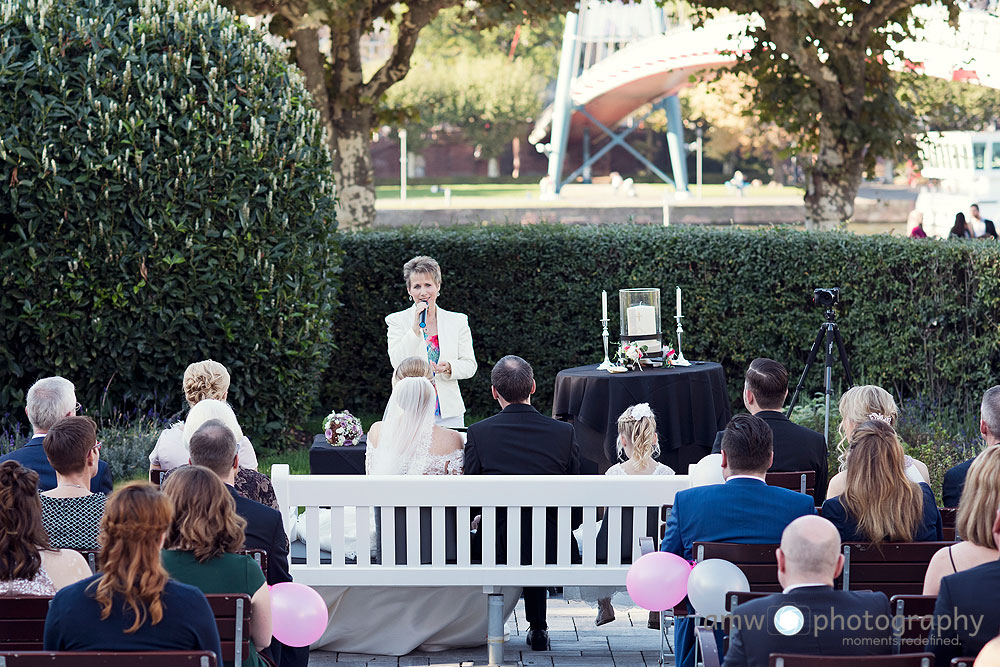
(576,642)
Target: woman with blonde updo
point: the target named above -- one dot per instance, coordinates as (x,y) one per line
(879,502)
(131,604)
(861,404)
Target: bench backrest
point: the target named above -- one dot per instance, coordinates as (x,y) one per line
(22,622)
(912,616)
(911,660)
(757,561)
(803,481)
(232,618)
(259,555)
(107,659)
(948,517)
(547,503)
(892,568)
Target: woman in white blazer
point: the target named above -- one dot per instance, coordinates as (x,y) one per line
(444,340)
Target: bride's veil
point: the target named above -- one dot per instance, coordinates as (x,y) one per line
(405,439)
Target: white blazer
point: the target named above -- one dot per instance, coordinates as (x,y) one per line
(456,348)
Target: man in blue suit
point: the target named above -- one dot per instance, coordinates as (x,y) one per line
(49,400)
(744,509)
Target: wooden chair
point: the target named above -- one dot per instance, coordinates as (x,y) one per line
(22,622)
(232,616)
(911,623)
(948,517)
(259,555)
(107,659)
(793,660)
(155,477)
(756,560)
(892,568)
(803,481)
(709,649)
(963,662)
(735,598)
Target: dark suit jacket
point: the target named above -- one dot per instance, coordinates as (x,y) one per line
(930,528)
(265,531)
(954,482)
(754,636)
(795,448)
(966,614)
(521,441)
(33,456)
(746,511)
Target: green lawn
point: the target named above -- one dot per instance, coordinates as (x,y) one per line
(530,191)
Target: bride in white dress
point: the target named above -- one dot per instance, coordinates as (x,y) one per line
(394,620)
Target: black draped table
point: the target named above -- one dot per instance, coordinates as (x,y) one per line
(690,403)
(325,459)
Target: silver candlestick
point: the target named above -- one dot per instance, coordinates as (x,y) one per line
(680,360)
(606,364)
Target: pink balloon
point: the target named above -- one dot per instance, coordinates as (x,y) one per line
(658,581)
(298,614)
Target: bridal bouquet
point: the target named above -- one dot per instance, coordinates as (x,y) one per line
(342,429)
(629,355)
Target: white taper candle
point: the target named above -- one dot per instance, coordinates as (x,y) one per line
(678,302)
(604,304)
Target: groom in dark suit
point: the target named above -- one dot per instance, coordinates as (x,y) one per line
(521,441)
(796,447)
(744,509)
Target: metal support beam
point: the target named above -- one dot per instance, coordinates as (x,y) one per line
(675,143)
(562,109)
(586,156)
(616,139)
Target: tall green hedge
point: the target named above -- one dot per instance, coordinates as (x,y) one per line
(918,317)
(165,196)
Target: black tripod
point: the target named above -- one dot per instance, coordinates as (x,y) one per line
(831,333)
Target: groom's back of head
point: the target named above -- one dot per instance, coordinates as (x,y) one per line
(513,379)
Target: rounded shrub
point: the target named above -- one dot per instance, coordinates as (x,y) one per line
(165,196)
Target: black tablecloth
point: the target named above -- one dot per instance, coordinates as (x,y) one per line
(690,403)
(325,459)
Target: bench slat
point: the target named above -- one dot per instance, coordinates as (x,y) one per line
(613,516)
(488,527)
(364,536)
(337,537)
(464,536)
(638,530)
(413,536)
(312,535)
(564,543)
(538,536)
(438,536)
(513,535)
(589,536)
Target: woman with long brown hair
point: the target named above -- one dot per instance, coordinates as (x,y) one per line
(27,565)
(879,503)
(131,604)
(203,542)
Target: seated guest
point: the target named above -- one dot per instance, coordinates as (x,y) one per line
(28,565)
(989,426)
(974,524)
(72,514)
(213,446)
(49,400)
(765,389)
(861,404)
(202,380)
(879,502)
(966,614)
(809,559)
(131,604)
(202,547)
(744,509)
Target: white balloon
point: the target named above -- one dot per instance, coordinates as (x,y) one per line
(709,583)
(708,471)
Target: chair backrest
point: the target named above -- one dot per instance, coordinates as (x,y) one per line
(107,659)
(910,660)
(22,622)
(756,560)
(232,617)
(963,662)
(259,555)
(948,517)
(912,615)
(803,481)
(709,647)
(156,476)
(736,598)
(892,568)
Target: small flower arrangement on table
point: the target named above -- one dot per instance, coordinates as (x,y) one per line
(342,429)
(630,356)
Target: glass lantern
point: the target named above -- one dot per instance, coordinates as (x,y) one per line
(639,310)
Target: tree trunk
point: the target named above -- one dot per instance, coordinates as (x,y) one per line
(831,185)
(352,166)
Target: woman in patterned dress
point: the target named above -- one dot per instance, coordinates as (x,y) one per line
(72,514)
(440,336)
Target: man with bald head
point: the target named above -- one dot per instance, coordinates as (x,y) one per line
(809,616)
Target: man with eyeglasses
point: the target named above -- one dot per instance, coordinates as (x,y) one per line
(50,400)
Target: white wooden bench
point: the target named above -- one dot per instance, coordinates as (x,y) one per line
(345,494)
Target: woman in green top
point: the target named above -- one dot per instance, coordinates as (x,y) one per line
(201,549)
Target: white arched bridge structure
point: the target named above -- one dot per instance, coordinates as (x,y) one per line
(618,58)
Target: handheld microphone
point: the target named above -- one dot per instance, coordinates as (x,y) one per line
(423,318)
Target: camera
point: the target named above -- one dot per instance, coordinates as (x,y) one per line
(827,297)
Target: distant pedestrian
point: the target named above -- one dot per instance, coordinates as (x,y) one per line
(981,228)
(960,230)
(916,225)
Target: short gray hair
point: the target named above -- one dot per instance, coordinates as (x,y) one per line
(422,264)
(989,411)
(49,400)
